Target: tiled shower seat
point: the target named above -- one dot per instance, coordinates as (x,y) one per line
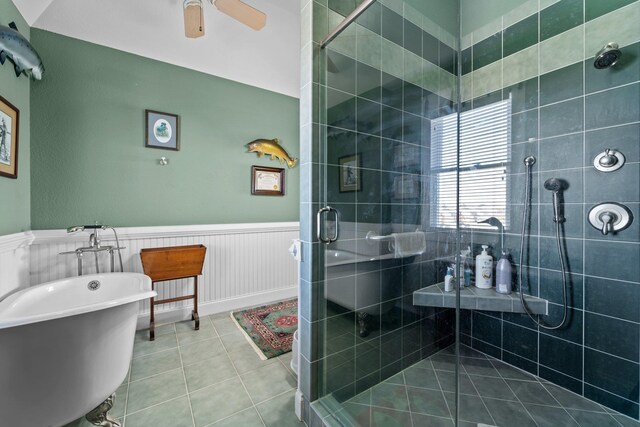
(473,298)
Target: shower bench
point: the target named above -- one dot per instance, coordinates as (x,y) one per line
(473,298)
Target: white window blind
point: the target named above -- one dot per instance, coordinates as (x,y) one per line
(484,152)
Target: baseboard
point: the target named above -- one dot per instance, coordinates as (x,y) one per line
(214,307)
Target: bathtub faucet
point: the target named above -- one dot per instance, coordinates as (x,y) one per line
(95,247)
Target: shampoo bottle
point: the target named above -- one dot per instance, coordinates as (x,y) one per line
(468,269)
(448,279)
(503,275)
(484,269)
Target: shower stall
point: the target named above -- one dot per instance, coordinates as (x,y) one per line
(430,128)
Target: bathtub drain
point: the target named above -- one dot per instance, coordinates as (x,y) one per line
(93,285)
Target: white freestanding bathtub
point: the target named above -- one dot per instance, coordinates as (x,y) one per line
(65,346)
(370,291)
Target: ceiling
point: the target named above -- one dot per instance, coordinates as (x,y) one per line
(269,59)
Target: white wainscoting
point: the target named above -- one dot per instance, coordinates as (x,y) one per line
(14,262)
(246,264)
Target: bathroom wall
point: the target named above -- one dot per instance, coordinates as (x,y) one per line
(88,156)
(14,193)
(375,99)
(245,265)
(564,112)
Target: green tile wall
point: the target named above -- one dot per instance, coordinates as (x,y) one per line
(564,112)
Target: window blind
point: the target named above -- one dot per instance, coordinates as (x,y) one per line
(484,152)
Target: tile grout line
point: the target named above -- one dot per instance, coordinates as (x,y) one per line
(253,404)
(480,395)
(441,390)
(126,396)
(244,409)
(184,375)
(155,405)
(516,396)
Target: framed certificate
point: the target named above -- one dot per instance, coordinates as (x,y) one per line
(267,181)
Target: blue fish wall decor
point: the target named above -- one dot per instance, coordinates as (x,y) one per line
(17,49)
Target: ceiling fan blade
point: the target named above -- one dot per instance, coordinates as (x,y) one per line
(193,19)
(242,12)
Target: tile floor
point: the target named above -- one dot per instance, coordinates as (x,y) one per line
(210,377)
(423,395)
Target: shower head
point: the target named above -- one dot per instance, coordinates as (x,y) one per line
(556,186)
(607,56)
(553,184)
(529,161)
(75,228)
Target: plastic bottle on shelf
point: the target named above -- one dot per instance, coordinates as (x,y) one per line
(503,274)
(468,269)
(448,280)
(484,269)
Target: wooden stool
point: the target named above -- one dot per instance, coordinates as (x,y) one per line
(172,263)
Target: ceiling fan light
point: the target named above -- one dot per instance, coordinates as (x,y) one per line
(193,19)
(242,12)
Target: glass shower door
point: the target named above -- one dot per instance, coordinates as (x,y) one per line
(376,104)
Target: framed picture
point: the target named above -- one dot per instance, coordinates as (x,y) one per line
(406,187)
(350,173)
(9,124)
(161,130)
(267,181)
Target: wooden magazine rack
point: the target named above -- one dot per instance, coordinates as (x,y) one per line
(172,263)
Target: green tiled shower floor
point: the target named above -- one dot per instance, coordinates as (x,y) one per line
(210,377)
(491,393)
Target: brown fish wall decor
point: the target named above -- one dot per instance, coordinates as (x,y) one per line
(273,148)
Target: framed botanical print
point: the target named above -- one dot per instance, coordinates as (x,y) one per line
(350,178)
(161,130)
(9,124)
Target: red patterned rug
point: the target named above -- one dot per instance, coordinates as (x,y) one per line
(270,328)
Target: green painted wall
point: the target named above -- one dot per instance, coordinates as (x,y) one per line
(88,156)
(14,193)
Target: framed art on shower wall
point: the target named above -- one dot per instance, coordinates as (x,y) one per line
(9,123)
(161,130)
(350,178)
(267,181)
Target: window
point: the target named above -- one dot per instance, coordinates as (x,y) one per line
(484,153)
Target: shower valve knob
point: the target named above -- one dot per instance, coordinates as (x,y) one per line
(608,159)
(608,219)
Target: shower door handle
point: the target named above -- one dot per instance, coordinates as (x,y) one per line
(320,218)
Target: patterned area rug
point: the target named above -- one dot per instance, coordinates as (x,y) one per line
(269,328)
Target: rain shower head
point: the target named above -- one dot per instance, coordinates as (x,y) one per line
(607,56)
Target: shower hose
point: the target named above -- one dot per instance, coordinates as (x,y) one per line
(525,215)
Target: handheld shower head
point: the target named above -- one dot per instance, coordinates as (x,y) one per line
(75,228)
(555,185)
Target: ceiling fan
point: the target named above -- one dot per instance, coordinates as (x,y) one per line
(241,12)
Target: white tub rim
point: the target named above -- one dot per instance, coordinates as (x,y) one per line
(145,292)
(348,257)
